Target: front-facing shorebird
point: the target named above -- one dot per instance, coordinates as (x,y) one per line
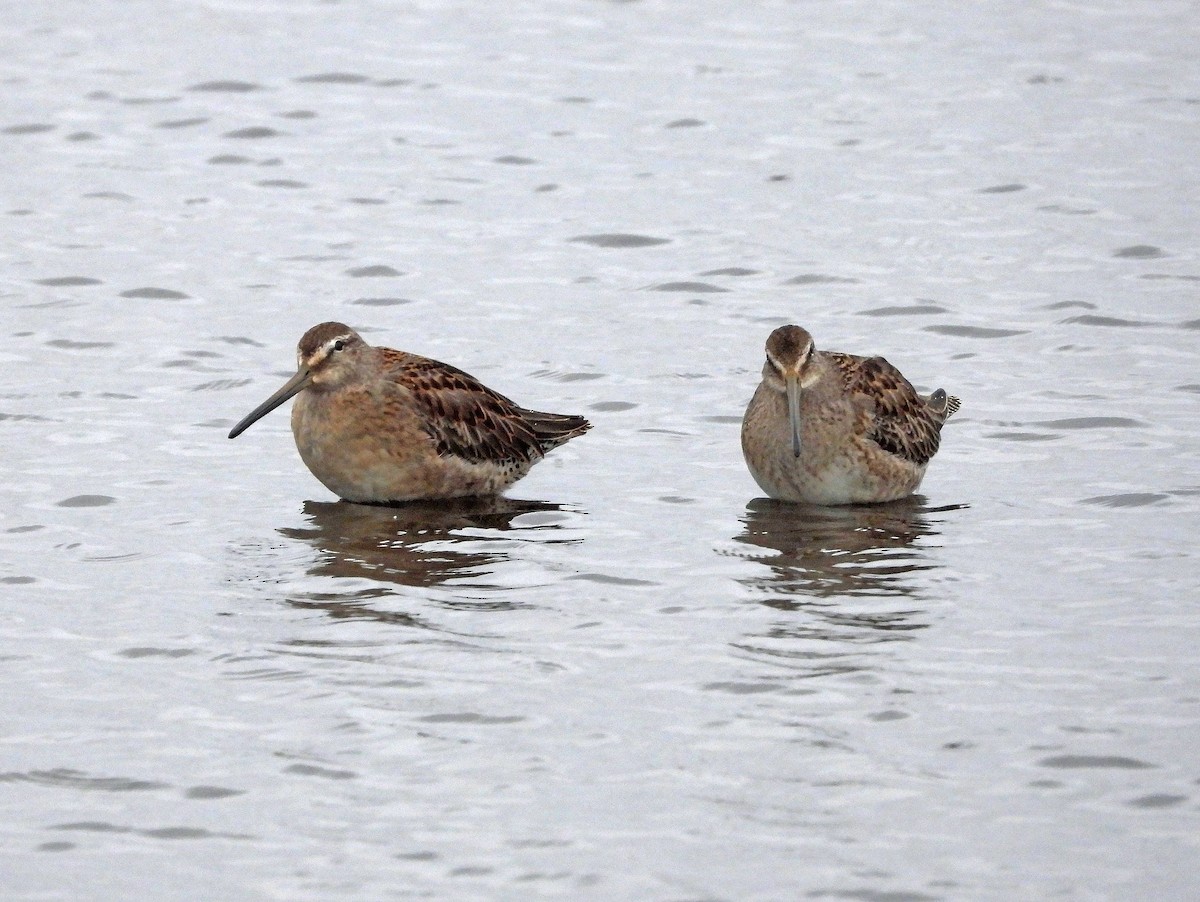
(380,426)
(832,428)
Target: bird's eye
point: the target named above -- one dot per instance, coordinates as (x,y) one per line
(339,345)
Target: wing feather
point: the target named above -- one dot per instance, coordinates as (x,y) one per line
(898,419)
(462,416)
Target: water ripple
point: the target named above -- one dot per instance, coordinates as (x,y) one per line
(976,331)
(65,778)
(1128,499)
(619,240)
(226,87)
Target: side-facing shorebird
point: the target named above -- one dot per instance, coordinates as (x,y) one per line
(832,428)
(380,426)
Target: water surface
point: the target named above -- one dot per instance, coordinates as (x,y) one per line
(634,678)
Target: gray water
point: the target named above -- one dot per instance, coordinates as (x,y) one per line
(633,679)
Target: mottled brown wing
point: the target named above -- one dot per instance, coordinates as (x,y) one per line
(463,416)
(899,420)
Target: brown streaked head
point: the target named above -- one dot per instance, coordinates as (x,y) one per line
(328,355)
(330,352)
(789,352)
(789,349)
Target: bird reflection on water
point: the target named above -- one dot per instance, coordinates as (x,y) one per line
(862,550)
(424,545)
(848,576)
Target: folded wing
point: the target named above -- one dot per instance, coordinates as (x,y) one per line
(466,419)
(898,419)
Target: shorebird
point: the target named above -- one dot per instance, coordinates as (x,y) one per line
(832,428)
(380,426)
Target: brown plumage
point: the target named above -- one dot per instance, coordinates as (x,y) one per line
(902,421)
(831,428)
(379,426)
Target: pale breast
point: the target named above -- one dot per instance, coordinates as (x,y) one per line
(838,464)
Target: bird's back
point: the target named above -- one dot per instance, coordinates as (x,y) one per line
(467,419)
(902,421)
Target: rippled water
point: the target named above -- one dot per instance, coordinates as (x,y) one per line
(640,681)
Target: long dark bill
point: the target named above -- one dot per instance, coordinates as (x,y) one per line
(293,386)
(793,399)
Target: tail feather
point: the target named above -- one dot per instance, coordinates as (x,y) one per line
(943,404)
(554,429)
